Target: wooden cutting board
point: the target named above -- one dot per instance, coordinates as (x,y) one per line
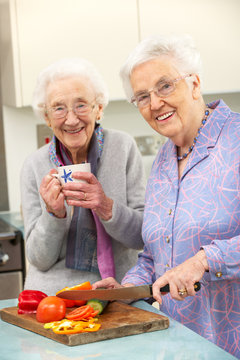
(118,320)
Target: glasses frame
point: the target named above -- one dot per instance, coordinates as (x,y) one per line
(50,109)
(155,90)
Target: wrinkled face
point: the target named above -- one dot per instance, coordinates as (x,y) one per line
(170,116)
(73,131)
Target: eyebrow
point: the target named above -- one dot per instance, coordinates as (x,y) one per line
(61,102)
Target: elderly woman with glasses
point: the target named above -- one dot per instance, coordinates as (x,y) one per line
(88,230)
(191,225)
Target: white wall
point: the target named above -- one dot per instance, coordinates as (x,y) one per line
(20,126)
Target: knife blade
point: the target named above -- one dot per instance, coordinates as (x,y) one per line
(131,292)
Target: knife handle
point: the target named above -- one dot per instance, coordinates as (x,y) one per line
(166,289)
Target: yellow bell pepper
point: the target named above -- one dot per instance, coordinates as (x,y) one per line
(72,327)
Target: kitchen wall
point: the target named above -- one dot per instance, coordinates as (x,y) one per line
(20,133)
(3,176)
(214,25)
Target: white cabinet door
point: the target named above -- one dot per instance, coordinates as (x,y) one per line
(215,26)
(36,33)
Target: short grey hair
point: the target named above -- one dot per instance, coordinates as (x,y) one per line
(64,68)
(180,48)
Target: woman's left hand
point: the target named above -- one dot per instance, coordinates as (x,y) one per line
(182,278)
(88,194)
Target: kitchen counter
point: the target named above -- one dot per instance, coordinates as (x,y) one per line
(13,262)
(175,343)
(13,218)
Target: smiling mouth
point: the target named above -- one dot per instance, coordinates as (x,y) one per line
(165,116)
(74,131)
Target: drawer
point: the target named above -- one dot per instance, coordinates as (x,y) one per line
(13,251)
(11,284)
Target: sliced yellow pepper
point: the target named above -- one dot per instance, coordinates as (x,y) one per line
(72,326)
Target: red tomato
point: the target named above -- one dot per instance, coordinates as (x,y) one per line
(51,308)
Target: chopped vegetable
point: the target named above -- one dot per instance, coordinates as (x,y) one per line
(28,301)
(98,305)
(82,313)
(83,286)
(72,327)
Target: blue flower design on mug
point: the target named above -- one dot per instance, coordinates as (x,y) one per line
(67,176)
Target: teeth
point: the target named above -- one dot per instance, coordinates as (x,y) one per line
(165,116)
(74,131)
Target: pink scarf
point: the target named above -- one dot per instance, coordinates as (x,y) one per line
(105,257)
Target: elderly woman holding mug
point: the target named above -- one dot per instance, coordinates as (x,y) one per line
(101,236)
(191,226)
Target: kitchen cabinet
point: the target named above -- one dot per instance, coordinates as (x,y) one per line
(215,27)
(36,33)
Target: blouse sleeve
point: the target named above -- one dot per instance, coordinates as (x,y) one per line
(143,272)
(223,258)
(125,225)
(44,234)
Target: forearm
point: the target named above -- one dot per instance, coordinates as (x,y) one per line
(202,258)
(104,211)
(125,225)
(44,240)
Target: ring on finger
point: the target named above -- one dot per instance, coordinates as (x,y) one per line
(85,197)
(182,292)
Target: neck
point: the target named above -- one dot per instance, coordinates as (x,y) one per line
(78,156)
(187,145)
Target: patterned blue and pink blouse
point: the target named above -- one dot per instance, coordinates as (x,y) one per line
(200,210)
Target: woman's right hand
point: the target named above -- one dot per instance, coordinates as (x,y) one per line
(111,283)
(51,192)
(108,283)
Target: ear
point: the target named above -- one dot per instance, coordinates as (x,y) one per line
(48,122)
(196,91)
(99,112)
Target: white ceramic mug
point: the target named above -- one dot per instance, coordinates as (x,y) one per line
(65,172)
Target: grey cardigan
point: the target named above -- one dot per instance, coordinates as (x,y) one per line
(121,175)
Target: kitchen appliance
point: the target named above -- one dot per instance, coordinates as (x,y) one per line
(12,261)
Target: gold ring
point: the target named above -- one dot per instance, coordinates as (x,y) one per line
(182,292)
(85,197)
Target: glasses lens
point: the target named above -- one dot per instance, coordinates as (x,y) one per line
(58,112)
(142,100)
(82,108)
(165,88)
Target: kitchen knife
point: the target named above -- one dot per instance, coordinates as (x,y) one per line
(132,292)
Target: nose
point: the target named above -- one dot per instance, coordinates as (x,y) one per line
(155,101)
(71,118)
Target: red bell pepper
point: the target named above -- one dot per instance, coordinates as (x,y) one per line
(28,301)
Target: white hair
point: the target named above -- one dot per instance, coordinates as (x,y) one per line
(179,48)
(64,68)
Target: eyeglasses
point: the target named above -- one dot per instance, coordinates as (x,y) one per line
(78,108)
(162,89)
